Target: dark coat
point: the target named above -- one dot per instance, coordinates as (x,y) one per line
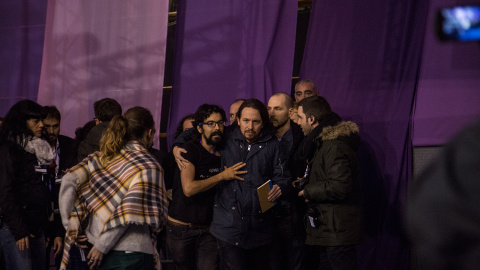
(91,144)
(24,196)
(334,188)
(65,145)
(237,218)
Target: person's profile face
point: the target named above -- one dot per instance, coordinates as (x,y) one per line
(304,122)
(36,126)
(277,111)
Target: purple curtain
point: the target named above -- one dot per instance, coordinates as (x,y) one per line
(364,57)
(96,49)
(22,27)
(448,95)
(227,50)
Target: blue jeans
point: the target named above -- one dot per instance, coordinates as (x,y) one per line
(192,248)
(15,259)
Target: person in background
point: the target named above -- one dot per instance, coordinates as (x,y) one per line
(288,246)
(105,109)
(442,217)
(304,89)
(234,110)
(120,195)
(61,146)
(24,187)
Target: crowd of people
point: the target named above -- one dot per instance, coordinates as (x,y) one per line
(108,200)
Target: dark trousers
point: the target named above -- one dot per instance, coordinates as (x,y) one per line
(331,258)
(192,248)
(288,247)
(234,258)
(77,260)
(121,260)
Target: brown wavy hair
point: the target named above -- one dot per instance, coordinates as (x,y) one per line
(133,125)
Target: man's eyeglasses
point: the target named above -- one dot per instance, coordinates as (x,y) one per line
(211,124)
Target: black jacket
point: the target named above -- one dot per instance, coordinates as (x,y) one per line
(334,188)
(24,196)
(237,218)
(91,144)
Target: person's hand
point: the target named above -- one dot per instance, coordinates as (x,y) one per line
(81,241)
(23,244)
(169,194)
(300,194)
(177,153)
(47,241)
(233,171)
(57,245)
(274,193)
(94,258)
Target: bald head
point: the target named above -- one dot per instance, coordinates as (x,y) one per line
(234,110)
(304,89)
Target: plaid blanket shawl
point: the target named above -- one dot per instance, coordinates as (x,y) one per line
(127,190)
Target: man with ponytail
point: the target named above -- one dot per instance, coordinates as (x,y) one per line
(119,195)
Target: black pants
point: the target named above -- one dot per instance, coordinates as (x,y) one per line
(331,258)
(235,258)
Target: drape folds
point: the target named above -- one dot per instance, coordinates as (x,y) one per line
(227,50)
(22,28)
(364,57)
(96,49)
(448,95)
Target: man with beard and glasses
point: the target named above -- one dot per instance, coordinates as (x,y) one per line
(191,211)
(62,149)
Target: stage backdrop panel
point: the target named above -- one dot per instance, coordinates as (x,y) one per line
(22,28)
(227,50)
(448,95)
(103,48)
(364,57)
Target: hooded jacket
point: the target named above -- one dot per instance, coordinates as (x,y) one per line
(333,188)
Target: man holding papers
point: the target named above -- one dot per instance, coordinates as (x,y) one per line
(245,234)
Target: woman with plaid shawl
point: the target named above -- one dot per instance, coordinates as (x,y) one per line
(119,194)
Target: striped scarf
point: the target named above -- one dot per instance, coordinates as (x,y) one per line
(126,190)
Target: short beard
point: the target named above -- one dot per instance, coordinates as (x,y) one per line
(210,140)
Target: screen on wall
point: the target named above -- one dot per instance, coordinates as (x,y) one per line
(459,23)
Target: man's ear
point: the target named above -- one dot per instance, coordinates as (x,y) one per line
(311,120)
(290,112)
(199,129)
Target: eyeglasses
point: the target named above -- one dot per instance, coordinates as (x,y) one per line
(211,124)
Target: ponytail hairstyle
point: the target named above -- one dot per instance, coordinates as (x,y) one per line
(133,125)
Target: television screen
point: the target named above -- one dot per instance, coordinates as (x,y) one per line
(459,23)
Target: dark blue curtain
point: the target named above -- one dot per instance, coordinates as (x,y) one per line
(364,57)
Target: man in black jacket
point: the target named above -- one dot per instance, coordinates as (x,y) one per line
(61,147)
(288,246)
(105,109)
(334,223)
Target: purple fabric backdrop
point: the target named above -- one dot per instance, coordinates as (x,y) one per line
(364,57)
(448,95)
(96,49)
(227,50)
(22,27)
